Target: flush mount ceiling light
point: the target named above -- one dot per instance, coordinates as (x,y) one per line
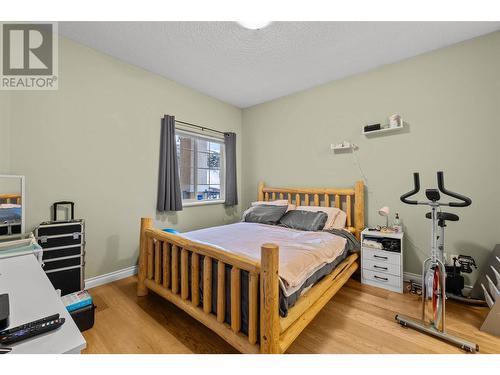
(254,25)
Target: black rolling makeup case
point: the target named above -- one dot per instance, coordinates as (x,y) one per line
(63,243)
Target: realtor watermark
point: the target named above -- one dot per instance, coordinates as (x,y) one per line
(28,56)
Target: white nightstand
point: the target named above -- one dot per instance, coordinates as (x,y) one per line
(383,267)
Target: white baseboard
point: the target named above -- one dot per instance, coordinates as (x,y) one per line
(416,278)
(408,276)
(110,277)
(131,271)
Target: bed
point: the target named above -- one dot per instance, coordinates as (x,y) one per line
(255,299)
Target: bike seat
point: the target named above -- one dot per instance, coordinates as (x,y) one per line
(445,216)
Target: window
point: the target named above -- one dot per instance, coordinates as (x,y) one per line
(201,167)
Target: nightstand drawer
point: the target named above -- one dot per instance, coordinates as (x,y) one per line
(381,256)
(381,279)
(384,267)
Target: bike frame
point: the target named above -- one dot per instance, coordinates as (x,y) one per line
(435,260)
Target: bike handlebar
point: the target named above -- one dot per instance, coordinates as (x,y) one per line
(416,189)
(465,201)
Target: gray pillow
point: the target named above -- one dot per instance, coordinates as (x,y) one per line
(265,214)
(304,220)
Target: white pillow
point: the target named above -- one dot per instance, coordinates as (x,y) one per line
(340,220)
(336,217)
(278,202)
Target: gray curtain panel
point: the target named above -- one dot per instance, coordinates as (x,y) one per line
(231,187)
(169,188)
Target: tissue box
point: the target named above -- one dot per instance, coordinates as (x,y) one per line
(77,300)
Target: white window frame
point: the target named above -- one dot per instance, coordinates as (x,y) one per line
(222,174)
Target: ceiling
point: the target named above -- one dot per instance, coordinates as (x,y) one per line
(247,67)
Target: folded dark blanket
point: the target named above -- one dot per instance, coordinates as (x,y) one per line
(352,245)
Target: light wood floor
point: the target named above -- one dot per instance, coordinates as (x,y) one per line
(359,319)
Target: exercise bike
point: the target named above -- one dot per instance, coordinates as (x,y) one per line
(433,269)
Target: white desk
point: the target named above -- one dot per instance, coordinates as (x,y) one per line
(32,297)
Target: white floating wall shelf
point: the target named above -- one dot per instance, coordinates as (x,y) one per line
(344,145)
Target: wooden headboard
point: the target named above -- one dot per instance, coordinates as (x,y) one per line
(10,198)
(347,199)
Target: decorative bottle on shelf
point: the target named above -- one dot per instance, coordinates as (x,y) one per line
(396,225)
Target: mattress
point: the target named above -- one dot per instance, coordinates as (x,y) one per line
(323,251)
(302,253)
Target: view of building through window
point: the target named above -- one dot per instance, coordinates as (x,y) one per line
(200,160)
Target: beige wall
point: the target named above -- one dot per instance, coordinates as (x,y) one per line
(451,100)
(96,141)
(5,109)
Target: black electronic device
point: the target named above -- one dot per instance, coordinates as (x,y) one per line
(29,325)
(466,263)
(370,128)
(455,282)
(432,195)
(31,330)
(4,310)
(391,244)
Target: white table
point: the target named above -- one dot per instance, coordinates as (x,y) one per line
(32,297)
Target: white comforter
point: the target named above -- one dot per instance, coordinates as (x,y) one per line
(301,253)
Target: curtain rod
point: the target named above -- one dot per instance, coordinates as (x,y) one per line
(199,127)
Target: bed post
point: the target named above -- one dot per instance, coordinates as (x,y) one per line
(261,191)
(359,208)
(269,300)
(146,222)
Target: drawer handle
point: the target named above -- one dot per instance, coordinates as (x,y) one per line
(380,268)
(381,278)
(380,257)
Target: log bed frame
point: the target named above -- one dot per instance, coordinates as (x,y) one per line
(159,269)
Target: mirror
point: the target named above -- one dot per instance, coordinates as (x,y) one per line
(12,203)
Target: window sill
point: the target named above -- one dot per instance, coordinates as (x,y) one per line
(202,203)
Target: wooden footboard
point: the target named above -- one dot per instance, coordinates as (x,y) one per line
(173,266)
